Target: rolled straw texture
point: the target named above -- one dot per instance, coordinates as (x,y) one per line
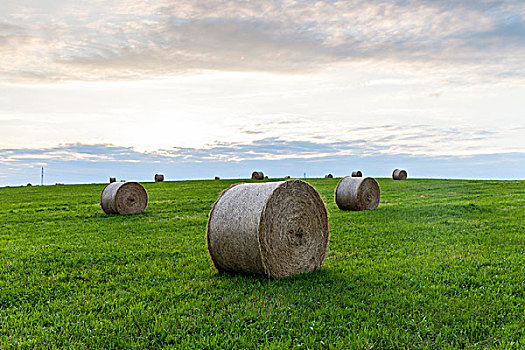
(357,173)
(357,193)
(257,175)
(277,229)
(399,174)
(124,198)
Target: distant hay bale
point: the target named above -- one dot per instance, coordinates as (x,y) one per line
(124,198)
(287,177)
(277,229)
(399,174)
(217,178)
(357,173)
(329,176)
(357,193)
(112,179)
(159,177)
(257,175)
(29,185)
(266,176)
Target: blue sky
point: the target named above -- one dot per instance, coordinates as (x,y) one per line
(276,158)
(196,89)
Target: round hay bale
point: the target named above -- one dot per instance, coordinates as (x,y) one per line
(217,178)
(287,177)
(124,198)
(277,229)
(112,179)
(357,193)
(399,174)
(357,173)
(257,175)
(159,177)
(266,176)
(329,176)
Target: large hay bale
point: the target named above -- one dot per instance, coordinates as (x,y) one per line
(357,193)
(329,176)
(277,229)
(159,177)
(124,198)
(399,174)
(357,173)
(257,175)
(112,179)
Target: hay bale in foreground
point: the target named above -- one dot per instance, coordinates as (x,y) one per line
(124,198)
(112,179)
(277,229)
(159,177)
(357,193)
(257,175)
(329,176)
(357,173)
(399,174)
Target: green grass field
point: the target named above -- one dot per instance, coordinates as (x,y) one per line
(440,264)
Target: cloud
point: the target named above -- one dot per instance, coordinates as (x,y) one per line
(386,140)
(78,163)
(136,40)
(269,144)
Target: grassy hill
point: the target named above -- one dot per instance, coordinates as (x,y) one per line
(439,264)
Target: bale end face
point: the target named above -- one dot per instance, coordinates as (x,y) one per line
(357,193)
(277,229)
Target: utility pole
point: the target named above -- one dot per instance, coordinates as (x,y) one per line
(42,177)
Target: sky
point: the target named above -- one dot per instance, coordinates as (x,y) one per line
(196,89)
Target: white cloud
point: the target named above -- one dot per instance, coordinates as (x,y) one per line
(133,40)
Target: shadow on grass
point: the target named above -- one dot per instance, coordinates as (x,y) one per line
(131,217)
(324,278)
